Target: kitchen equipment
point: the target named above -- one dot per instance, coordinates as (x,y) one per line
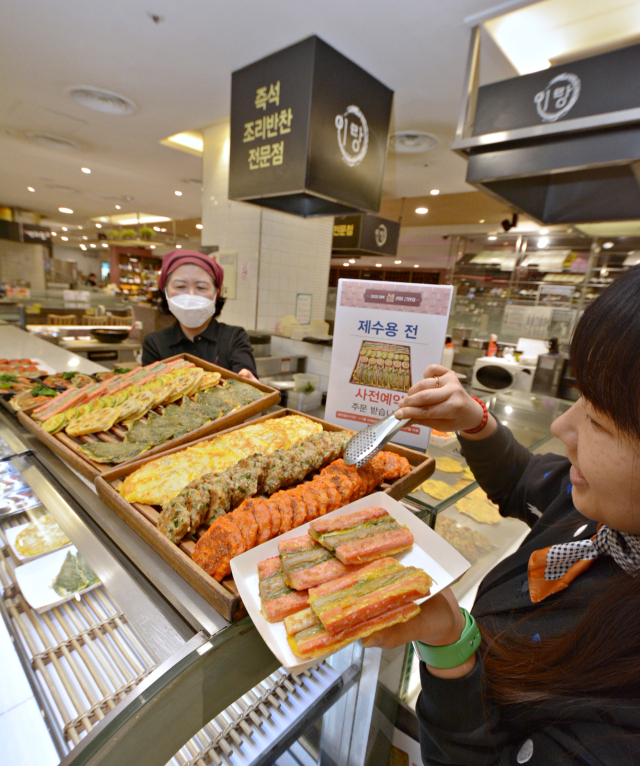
(365,444)
(495,374)
(110,335)
(260,343)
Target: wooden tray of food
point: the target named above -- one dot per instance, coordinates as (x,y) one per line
(146,492)
(194,414)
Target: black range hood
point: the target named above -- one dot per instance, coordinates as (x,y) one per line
(561,145)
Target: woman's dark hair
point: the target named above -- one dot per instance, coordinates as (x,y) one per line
(597,658)
(163,306)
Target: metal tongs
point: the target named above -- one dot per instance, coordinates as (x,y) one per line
(365,444)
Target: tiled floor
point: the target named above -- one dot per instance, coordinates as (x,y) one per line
(23,733)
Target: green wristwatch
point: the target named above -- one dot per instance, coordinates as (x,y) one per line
(452,655)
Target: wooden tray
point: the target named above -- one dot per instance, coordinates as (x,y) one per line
(223,596)
(66,446)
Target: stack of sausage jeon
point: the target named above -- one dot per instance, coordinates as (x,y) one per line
(339,482)
(277,598)
(306,564)
(362,536)
(371,591)
(314,640)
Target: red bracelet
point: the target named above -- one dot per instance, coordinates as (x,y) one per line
(485,417)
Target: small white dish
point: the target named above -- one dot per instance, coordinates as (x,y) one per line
(430,552)
(11,535)
(35,579)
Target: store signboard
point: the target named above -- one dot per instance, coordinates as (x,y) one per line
(385,335)
(365,234)
(595,85)
(309,132)
(25,232)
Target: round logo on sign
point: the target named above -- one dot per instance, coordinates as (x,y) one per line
(353,135)
(558,98)
(381,235)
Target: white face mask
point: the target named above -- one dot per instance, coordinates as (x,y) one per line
(191,310)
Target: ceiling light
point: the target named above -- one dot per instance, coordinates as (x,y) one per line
(178,247)
(118,207)
(67,210)
(178,193)
(412,141)
(190,141)
(83,247)
(422,210)
(544,231)
(92,245)
(378,265)
(607,245)
(54,233)
(352,260)
(481,220)
(30,188)
(543,242)
(104,244)
(98,226)
(85,237)
(198,226)
(163,230)
(102,100)
(416,265)
(631,252)
(492,238)
(78,227)
(64,228)
(345,264)
(397,261)
(434,192)
(153,247)
(157,228)
(85,170)
(64,239)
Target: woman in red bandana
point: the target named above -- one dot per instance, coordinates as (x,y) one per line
(550,674)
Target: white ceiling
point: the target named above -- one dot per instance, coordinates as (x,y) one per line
(178,72)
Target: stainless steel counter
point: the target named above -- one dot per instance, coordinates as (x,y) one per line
(18,344)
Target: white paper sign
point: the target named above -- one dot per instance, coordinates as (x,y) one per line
(386,334)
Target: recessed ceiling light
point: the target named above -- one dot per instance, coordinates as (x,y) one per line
(92,245)
(153,247)
(178,193)
(378,265)
(481,220)
(30,188)
(53,142)
(104,244)
(198,226)
(397,261)
(118,207)
(352,260)
(64,239)
(157,228)
(345,264)
(631,252)
(54,233)
(412,141)
(416,265)
(67,210)
(64,228)
(98,226)
(543,242)
(102,100)
(178,247)
(434,192)
(85,170)
(607,245)
(492,237)
(83,247)
(85,237)
(422,210)
(544,231)
(79,227)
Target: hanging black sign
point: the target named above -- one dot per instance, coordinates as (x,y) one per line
(590,86)
(365,235)
(309,131)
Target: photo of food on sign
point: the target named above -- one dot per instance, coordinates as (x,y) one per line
(383,365)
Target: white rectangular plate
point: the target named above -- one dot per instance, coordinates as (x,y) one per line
(430,552)
(11,534)
(35,580)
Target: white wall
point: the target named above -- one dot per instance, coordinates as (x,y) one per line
(19,260)
(279,255)
(87,262)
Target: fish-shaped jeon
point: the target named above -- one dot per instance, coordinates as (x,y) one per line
(362,536)
(277,598)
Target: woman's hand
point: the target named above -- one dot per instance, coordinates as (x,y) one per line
(439,623)
(439,401)
(244,373)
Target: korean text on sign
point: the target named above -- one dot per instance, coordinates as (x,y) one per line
(390,329)
(266,155)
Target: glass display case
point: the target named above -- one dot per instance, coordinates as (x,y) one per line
(140,669)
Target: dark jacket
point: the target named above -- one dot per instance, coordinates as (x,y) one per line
(458,726)
(220,344)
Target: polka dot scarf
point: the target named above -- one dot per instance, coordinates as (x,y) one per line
(552,569)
